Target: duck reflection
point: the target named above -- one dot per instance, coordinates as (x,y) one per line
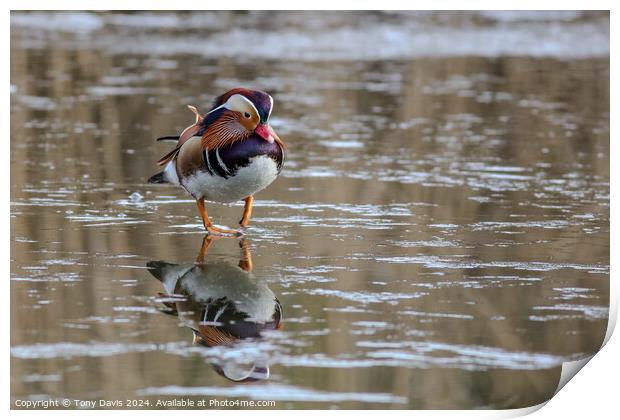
(222,303)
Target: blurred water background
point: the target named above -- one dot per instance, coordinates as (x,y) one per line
(439,237)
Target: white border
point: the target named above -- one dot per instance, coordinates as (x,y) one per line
(592,395)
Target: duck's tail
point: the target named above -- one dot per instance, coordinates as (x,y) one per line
(158,178)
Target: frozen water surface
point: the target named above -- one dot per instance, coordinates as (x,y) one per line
(438,238)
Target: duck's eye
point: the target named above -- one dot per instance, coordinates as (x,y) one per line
(246,114)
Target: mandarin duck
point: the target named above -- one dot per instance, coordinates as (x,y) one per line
(222,304)
(228,154)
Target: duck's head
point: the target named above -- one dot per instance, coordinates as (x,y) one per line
(252,108)
(237,115)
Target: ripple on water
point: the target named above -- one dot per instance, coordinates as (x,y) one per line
(436,315)
(432,261)
(587,311)
(54,377)
(66,350)
(342,144)
(365,297)
(276,393)
(469,357)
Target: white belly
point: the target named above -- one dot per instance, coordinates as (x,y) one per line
(248,180)
(223,280)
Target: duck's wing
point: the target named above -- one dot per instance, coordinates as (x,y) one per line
(187,134)
(166,138)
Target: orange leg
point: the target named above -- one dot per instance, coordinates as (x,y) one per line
(206,241)
(210,227)
(247,211)
(171,307)
(246,260)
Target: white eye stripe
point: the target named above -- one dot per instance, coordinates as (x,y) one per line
(240,103)
(214,109)
(237,102)
(271,107)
